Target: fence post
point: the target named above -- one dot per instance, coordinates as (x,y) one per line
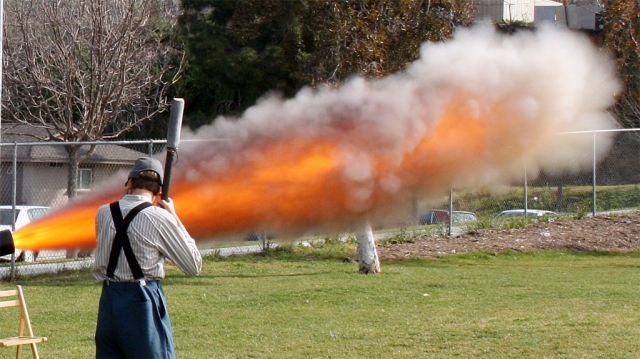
(526,192)
(593,165)
(450,211)
(150,148)
(14,194)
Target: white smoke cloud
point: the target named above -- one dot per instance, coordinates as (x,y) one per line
(470,112)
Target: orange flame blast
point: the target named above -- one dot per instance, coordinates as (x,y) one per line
(306,184)
(470,113)
(70,227)
(288,187)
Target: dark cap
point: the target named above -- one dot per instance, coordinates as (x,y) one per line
(147,164)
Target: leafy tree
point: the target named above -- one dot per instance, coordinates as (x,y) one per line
(621,20)
(238,50)
(86,70)
(376,37)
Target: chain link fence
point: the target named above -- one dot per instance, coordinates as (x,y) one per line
(608,185)
(34,178)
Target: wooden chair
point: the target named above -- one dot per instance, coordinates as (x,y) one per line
(6,301)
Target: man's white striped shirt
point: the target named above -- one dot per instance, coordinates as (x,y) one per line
(154,234)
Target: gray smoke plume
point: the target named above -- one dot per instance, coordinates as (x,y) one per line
(469,113)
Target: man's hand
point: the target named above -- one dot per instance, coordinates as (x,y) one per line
(168,205)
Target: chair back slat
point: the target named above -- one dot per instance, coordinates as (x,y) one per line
(24,323)
(9,303)
(8,293)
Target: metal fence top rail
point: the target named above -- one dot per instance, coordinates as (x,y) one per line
(164,141)
(132,142)
(596,131)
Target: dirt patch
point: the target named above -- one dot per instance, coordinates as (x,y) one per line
(617,233)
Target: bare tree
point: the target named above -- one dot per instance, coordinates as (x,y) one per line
(627,110)
(87,70)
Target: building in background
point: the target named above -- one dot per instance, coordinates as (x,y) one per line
(504,10)
(41,171)
(575,14)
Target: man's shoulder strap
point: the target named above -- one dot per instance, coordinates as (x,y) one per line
(117,214)
(121,240)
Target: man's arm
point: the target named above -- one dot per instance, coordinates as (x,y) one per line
(177,244)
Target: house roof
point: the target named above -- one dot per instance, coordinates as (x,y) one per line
(55,152)
(547,3)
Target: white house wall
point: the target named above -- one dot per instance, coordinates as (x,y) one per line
(518,10)
(504,10)
(488,10)
(574,16)
(547,11)
(582,16)
(545,14)
(43,185)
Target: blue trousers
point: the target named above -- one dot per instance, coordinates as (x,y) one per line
(133,322)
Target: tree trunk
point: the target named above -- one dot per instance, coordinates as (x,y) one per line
(368,261)
(72,190)
(415,210)
(72,187)
(72,175)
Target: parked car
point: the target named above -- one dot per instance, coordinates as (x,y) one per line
(512,213)
(441,216)
(253,237)
(23,215)
(259,236)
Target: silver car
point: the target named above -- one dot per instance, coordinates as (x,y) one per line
(440,216)
(512,213)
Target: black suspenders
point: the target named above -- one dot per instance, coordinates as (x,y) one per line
(121,240)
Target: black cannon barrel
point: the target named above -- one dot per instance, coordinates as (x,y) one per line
(6,243)
(173,140)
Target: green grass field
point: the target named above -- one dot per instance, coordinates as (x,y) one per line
(295,304)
